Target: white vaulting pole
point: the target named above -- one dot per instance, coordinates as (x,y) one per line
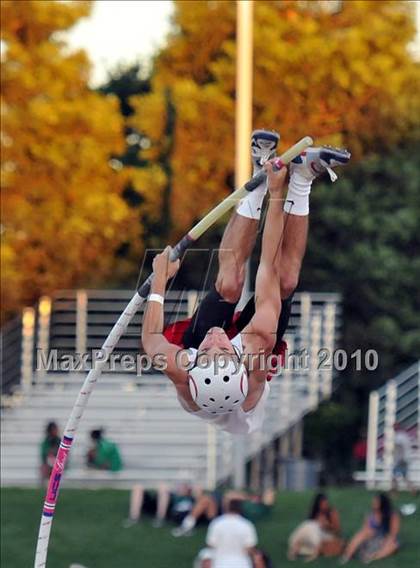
(243,129)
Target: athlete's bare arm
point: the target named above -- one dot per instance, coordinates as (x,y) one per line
(154,342)
(260,334)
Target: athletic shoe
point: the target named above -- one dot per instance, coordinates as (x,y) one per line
(182,531)
(263,147)
(158,523)
(315,161)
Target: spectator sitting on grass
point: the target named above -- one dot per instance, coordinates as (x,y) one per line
(255,506)
(207,507)
(319,534)
(210,505)
(378,537)
(162,503)
(49,448)
(104,454)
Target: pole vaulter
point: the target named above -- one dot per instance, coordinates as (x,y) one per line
(118,330)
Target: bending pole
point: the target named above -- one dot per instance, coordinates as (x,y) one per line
(113,338)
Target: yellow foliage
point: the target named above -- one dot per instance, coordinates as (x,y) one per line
(150,183)
(345,78)
(63,215)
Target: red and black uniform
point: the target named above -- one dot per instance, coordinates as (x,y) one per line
(214,311)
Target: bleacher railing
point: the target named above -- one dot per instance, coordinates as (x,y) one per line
(77,321)
(17,351)
(397,401)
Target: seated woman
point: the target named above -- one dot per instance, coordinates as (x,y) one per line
(378,537)
(319,534)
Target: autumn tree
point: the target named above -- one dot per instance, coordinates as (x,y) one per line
(63,215)
(126,83)
(344,76)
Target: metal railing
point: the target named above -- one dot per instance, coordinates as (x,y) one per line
(78,321)
(397,402)
(17,352)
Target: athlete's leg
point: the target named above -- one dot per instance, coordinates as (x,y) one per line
(218,307)
(303,170)
(213,311)
(240,234)
(235,249)
(293,251)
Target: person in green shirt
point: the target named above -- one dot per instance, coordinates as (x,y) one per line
(104,454)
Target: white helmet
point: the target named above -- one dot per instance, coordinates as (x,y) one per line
(218,390)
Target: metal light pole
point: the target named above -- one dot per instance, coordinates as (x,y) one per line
(244,72)
(243,128)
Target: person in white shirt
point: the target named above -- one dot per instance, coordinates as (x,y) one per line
(232,538)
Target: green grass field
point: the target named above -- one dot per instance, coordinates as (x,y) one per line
(87,530)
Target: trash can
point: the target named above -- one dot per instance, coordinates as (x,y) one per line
(301,474)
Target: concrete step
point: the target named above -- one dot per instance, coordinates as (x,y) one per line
(169,422)
(132,409)
(162,437)
(190,446)
(111,400)
(84,478)
(139,461)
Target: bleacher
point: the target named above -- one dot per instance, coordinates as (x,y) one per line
(398,401)
(159,441)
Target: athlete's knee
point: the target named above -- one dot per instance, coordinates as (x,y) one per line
(229,286)
(288,284)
